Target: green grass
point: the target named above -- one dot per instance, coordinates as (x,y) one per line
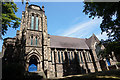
(107,75)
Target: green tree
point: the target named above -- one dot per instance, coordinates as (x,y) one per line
(9,19)
(109,47)
(110,14)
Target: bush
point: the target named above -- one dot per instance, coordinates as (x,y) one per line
(12,71)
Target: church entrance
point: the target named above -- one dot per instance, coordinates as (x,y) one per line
(32,65)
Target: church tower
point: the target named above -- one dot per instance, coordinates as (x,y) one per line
(34,29)
(52,56)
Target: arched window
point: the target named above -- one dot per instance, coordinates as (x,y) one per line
(36,40)
(32,40)
(72,55)
(51,56)
(108,62)
(62,56)
(36,23)
(81,57)
(32,65)
(78,57)
(32,21)
(69,56)
(58,56)
(89,57)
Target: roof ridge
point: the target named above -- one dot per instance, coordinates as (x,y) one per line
(68,37)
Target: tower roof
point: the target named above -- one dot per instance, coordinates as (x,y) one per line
(36,7)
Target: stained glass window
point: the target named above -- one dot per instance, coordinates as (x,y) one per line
(32,68)
(108,62)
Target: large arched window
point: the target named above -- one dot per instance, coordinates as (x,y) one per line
(36,23)
(32,22)
(32,65)
(32,40)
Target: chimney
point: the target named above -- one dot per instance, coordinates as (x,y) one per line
(43,8)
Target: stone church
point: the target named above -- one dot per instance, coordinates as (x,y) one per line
(55,56)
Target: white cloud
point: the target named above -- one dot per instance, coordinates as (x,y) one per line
(76,19)
(102,36)
(84,29)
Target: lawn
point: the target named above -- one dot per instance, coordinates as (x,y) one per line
(109,75)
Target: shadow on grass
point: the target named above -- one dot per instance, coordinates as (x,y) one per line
(103,75)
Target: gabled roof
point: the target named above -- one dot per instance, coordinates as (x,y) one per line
(91,40)
(67,42)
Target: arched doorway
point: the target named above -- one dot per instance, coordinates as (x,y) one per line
(33,64)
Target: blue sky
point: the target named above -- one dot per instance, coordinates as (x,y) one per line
(64,19)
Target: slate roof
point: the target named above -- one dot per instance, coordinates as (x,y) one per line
(89,42)
(67,42)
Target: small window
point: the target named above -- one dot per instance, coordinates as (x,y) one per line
(72,55)
(31,40)
(36,40)
(58,57)
(108,62)
(81,57)
(89,57)
(62,56)
(51,56)
(78,57)
(69,56)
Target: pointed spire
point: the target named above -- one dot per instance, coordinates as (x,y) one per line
(93,34)
(26,4)
(43,8)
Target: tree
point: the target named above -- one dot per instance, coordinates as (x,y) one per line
(9,19)
(110,46)
(110,13)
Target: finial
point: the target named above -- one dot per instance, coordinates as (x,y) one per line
(43,8)
(27,3)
